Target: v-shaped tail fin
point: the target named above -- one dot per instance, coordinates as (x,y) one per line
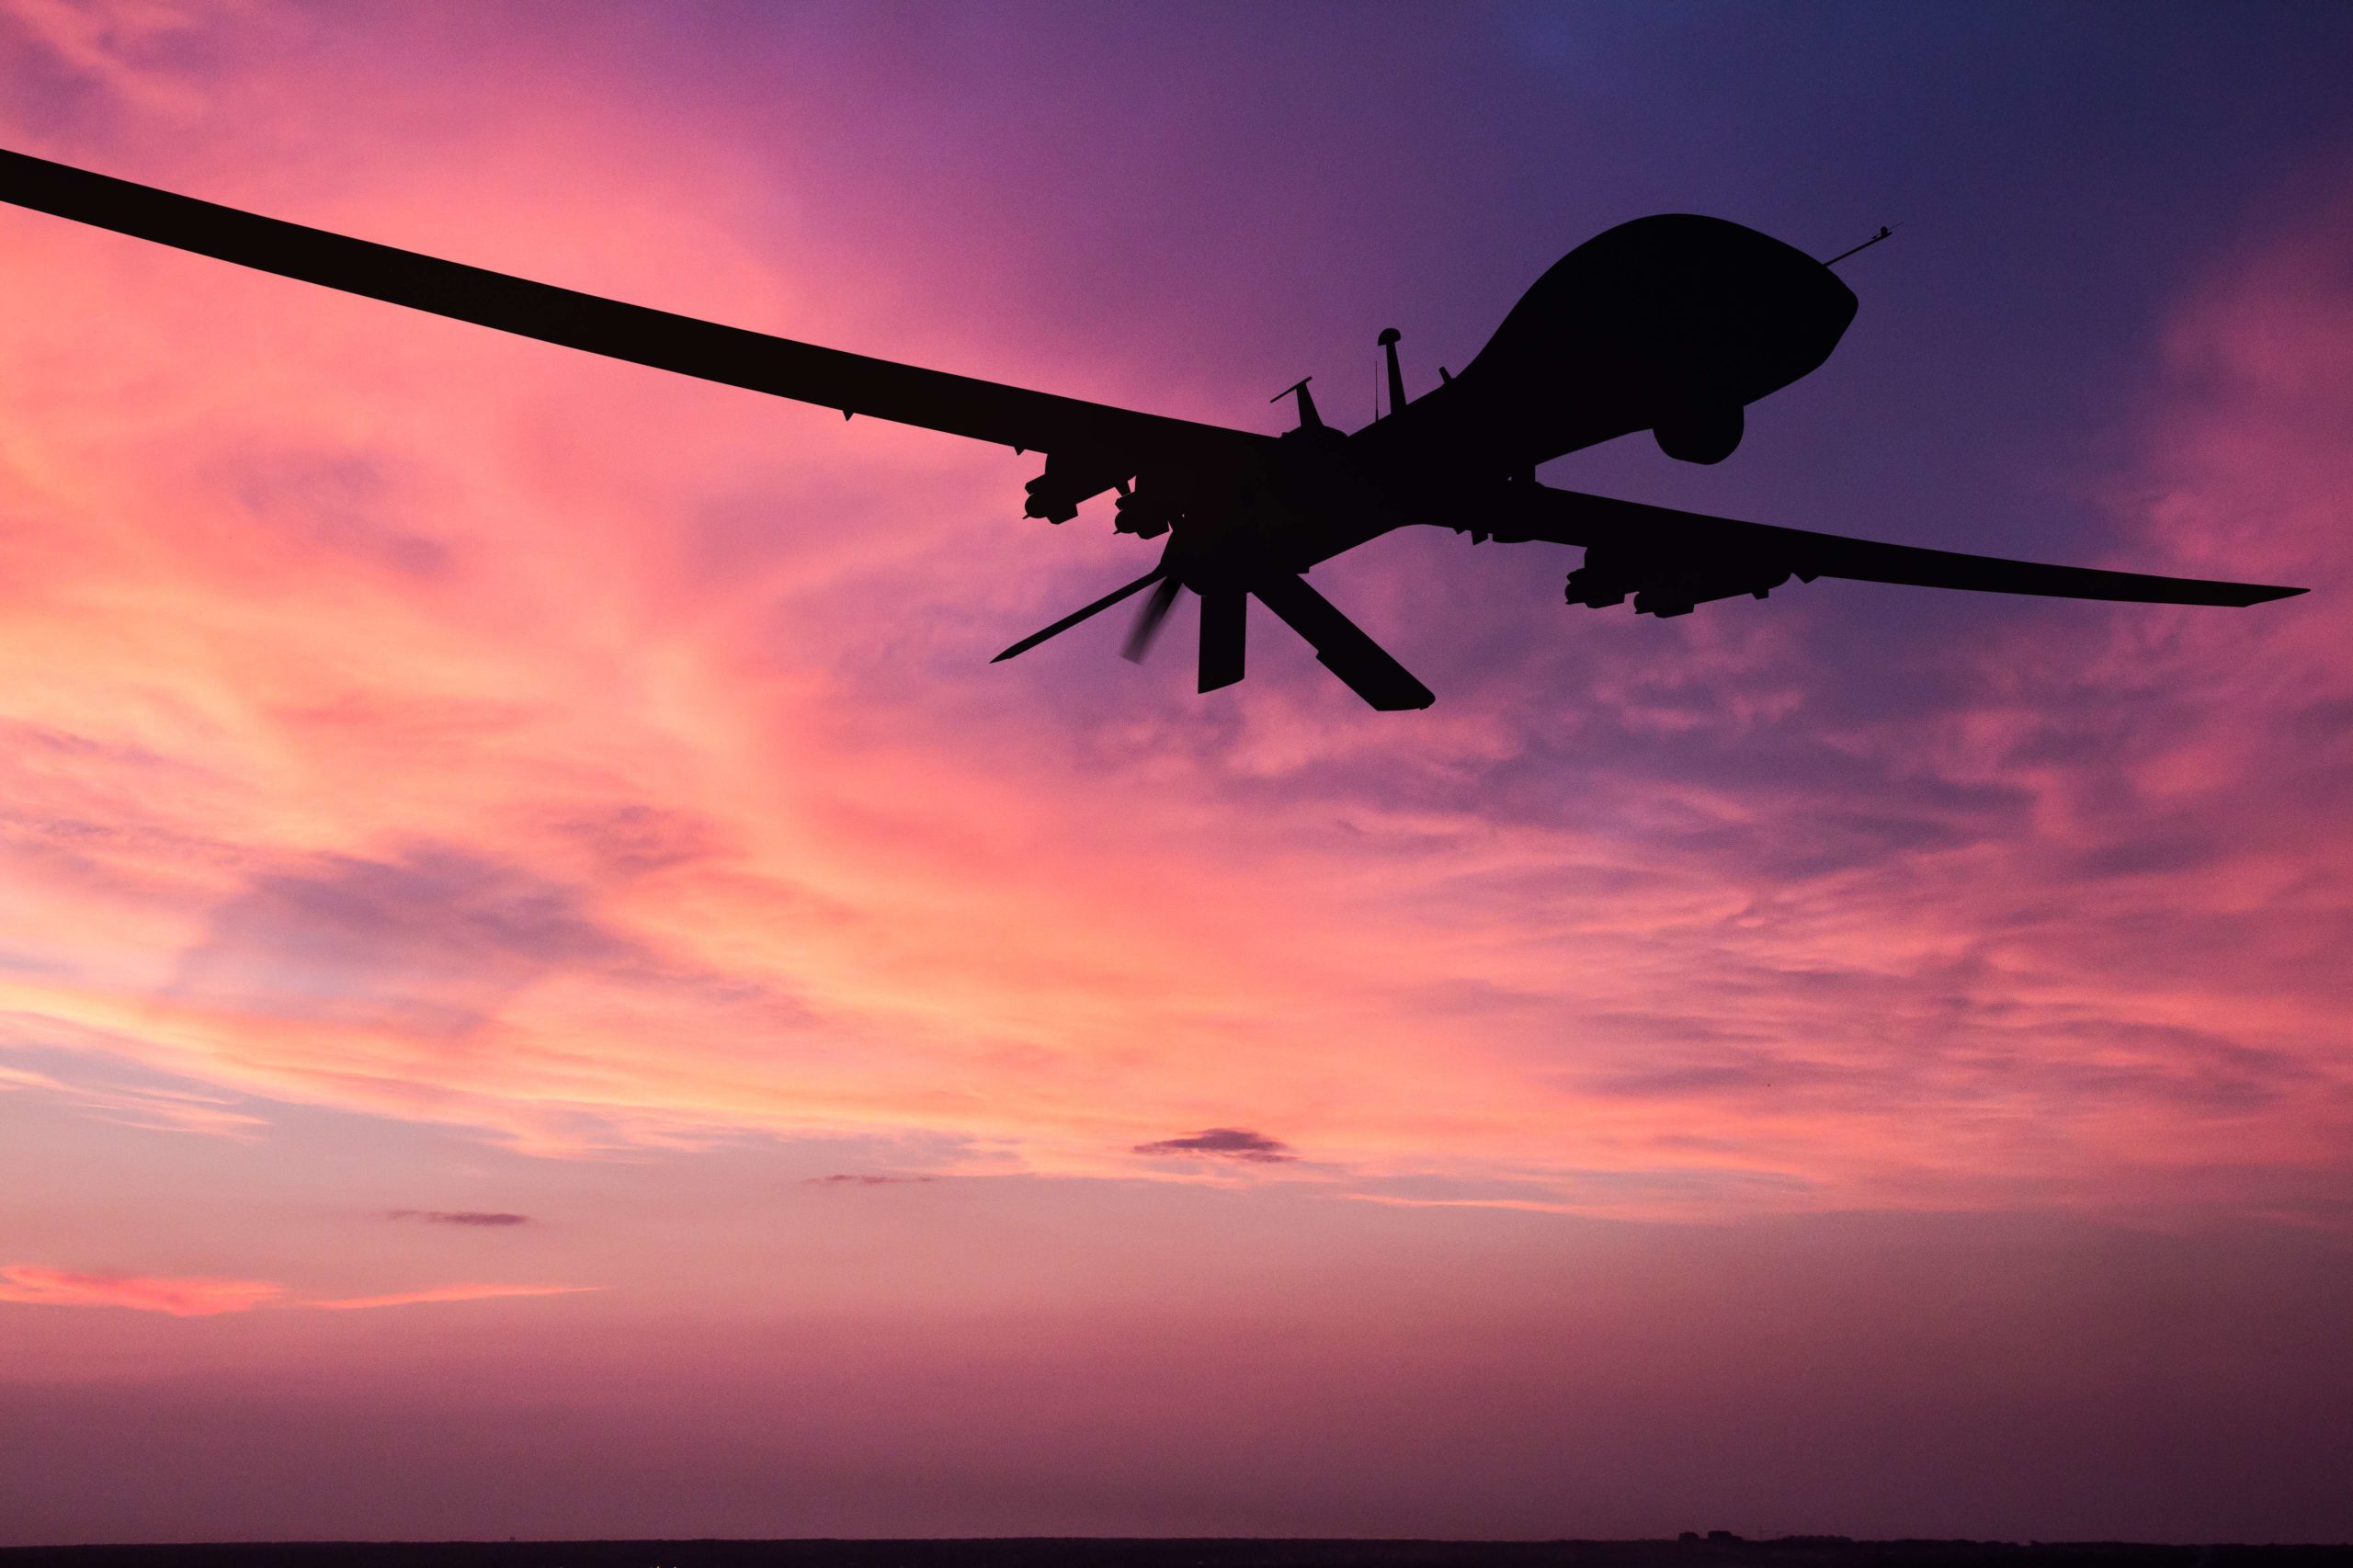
(1342,645)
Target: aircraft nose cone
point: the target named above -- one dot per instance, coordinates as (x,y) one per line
(1807,307)
(1835,302)
(1833,310)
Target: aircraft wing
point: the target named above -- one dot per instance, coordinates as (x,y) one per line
(1642,545)
(1100,443)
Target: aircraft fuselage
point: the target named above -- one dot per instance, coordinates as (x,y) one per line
(1672,323)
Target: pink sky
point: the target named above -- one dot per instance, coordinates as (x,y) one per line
(490,833)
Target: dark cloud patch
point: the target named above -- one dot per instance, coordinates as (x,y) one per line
(1225,1143)
(17,738)
(1601,1188)
(438,938)
(486,1219)
(1839,839)
(2330,719)
(846,1178)
(1679,1030)
(2153,856)
(2192,1071)
(1737,1074)
(1428,1186)
(347,502)
(1471,998)
(639,838)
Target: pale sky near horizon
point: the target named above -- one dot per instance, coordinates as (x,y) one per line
(549,988)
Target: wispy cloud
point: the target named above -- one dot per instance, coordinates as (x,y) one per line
(124,1096)
(438,1294)
(30,1285)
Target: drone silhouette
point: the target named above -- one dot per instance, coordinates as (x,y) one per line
(1672,323)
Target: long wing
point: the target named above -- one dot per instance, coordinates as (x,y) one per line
(1100,437)
(1658,541)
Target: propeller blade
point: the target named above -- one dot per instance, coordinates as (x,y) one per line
(1148,619)
(1157,574)
(1340,644)
(1225,621)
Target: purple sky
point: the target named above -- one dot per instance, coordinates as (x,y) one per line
(548,988)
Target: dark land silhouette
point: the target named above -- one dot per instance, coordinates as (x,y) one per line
(1697,1550)
(1672,324)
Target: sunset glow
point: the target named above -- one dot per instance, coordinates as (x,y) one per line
(475,813)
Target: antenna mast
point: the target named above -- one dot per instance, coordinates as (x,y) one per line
(1387,342)
(1883,231)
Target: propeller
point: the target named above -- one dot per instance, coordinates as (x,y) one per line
(1148,619)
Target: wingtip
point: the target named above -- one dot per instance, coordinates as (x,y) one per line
(2264,592)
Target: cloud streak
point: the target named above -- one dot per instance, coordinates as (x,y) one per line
(474,1218)
(197,1296)
(442,1293)
(29,1285)
(844,1178)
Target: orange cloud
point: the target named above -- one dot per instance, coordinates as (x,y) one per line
(182,1298)
(446,1293)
